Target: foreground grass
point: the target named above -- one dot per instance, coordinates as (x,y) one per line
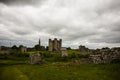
(21,70)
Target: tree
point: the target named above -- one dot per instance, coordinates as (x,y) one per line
(21,46)
(69,48)
(14,47)
(37,47)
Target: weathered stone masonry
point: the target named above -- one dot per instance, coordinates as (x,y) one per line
(55,45)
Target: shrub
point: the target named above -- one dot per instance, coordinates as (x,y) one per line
(45,54)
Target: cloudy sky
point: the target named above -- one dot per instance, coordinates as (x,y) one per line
(93,23)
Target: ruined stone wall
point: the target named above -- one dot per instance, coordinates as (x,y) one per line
(23,49)
(59,44)
(34,58)
(64,51)
(105,57)
(50,45)
(83,50)
(55,45)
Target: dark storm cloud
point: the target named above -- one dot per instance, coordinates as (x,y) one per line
(107,39)
(116,27)
(21,2)
(114,5)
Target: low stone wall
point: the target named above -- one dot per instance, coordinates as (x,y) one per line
(104,57)
(64,52)
(35,58)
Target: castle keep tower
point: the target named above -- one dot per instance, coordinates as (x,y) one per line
(55,45)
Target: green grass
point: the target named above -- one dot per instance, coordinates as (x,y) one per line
(73,51)
(22,70)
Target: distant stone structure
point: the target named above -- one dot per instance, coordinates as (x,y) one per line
(4,49)
(39,42)
(0,48)
(55,45)
(64,51)
(29,49)
(35,58)
(39,47)
(105,56)
(23,49)
(83,49)
(42,48)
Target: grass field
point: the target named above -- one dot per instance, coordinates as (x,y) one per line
(22,70)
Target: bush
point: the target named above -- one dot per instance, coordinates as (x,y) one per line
(73,55)
(45,54)
(4,56)
(115,61)
(83,56)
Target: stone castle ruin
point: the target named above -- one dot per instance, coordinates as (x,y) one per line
(55,45)
(35,59)
(106,56)
(64,51)
(23,49)
(83,50)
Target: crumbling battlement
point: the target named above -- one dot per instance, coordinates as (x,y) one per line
(55,45)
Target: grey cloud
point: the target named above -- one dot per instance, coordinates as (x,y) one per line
(78,34)
(116,27)
(110,6)
(8,42)
(21,2)
(21,32)
(114,5)
(75,24)
(106,40)
(109,36)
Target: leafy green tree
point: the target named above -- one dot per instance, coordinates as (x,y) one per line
(14,47)
(37,47)
(21,46)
